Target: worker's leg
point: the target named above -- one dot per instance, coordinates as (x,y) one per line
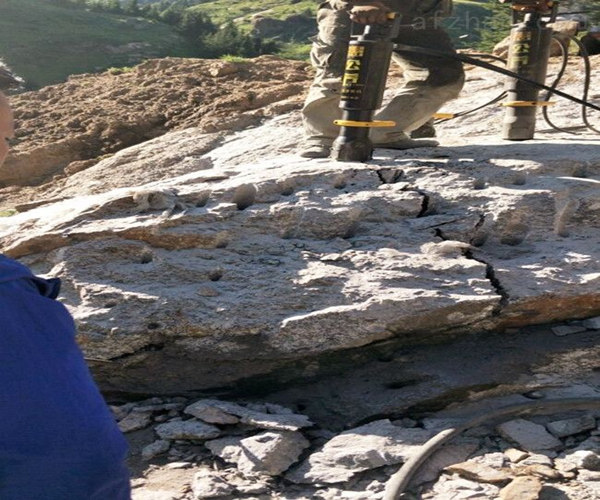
(328,56)
(430,82)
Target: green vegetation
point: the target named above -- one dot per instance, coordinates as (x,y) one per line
(241,11)
(234,59)
(119,71)
(497,26)
(44,43)
(295,50)
(469,21)
(194,25)
(46,40)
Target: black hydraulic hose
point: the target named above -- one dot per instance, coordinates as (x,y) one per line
(460,114)
(471,60)
(586,85)
(397,484)
(565,60)
(496,99)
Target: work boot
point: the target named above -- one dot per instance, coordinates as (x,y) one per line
(316,149)
(425,130)
(407,143)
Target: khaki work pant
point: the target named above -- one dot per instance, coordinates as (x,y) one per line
(430,81)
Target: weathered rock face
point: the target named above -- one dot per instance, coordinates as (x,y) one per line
(198,259)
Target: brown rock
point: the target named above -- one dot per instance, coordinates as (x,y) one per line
(522,488)
(481,473)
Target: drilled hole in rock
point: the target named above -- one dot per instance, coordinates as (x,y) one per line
(351,231)
(287,191)
(400,384)
(215,275)
(153,347)
(153,326)
(146,258)
(202,199)
(244,196)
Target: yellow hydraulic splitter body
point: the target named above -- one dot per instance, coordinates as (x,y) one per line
(528,56)
(363,84)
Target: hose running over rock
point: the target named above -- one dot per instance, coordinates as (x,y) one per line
(399,481)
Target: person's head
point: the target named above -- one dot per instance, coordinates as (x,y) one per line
(6,126)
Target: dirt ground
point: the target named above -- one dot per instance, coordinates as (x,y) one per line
(65,128)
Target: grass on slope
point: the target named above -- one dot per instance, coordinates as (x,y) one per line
(240,11)
(44,43)
(468,19)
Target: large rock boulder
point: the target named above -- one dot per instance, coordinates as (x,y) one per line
(195,260)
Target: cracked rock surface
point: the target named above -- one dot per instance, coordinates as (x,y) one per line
(197,260)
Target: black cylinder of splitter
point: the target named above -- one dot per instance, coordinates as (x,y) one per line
(528,55)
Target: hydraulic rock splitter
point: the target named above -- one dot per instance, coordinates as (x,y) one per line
(369,57)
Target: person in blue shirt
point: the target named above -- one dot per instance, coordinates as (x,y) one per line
(58,438)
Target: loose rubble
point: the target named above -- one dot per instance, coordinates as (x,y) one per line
(532,457)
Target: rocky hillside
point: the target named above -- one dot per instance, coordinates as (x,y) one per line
(200,254)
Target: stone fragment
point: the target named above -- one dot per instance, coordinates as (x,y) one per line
(268,452)
(215,409)
(135,421)
(592,323)
(571,426)
(208,484)
(121,411)
(565,466)
(254,487)
(367,447)
(150,494)
(589,476)
(584,459)
(158,407)
(156,448)
(272,452)
(528,435)
(456,487)
(228,448)
(564,330)
(515,455)
(590,444)
(188,429)
(178,465)
(210,413)
(447,455)
(539,470)
(522,488)
(478,470)
(280,422)
(537,459)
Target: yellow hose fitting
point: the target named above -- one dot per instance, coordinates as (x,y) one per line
(526,104)
(373,124)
